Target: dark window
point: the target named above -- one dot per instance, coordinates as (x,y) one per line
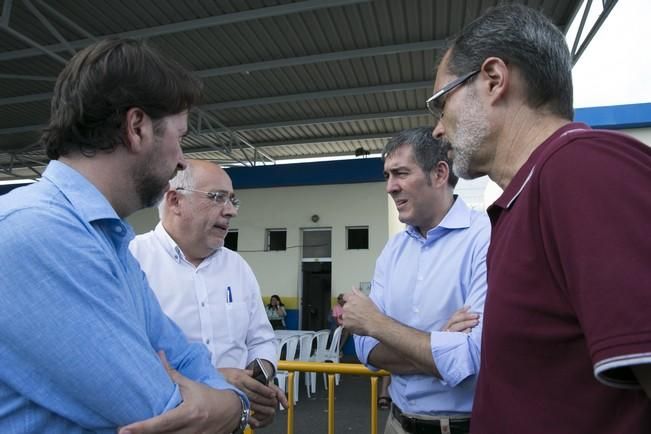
(357,237)
(276,239)
(316,243)
(230,241)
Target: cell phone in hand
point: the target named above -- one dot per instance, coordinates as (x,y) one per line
(260,372)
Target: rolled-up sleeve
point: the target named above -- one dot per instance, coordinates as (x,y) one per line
(457,354)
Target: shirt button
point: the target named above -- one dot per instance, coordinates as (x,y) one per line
(207,341)
(416,310)
(203,304)
(118,229)
(420,277)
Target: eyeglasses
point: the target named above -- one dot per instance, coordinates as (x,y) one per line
(436,102)
(219,197)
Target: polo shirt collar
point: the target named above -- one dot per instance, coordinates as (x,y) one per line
(458,217)
(526,172)
(86,199)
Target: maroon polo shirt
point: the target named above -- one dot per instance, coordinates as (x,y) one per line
(569,291)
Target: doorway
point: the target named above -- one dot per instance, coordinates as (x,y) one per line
(317,283)
(316,270)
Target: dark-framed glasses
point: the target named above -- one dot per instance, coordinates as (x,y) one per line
(219,197)
(436,102)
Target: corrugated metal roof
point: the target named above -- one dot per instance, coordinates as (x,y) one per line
(291,78)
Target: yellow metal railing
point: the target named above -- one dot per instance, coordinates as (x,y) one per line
(331,369)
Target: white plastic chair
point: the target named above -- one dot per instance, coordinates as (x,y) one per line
(290,344)
(321,347)
(305,355)
(331,354)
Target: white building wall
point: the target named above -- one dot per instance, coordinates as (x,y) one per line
(642,134)
(337,206)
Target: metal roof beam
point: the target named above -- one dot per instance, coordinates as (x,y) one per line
(27,77)
(65,20)
(197,129)
(48,25)
(25,98)
(329,139)
(183,26)
(6,12)
(39,48)
(578,47)
(323,57)
(331,120)
(393,87)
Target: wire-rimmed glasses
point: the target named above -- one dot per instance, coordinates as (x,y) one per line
(436,102)
(219,197)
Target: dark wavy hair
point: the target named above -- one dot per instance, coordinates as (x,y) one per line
(101,83)
(280,303)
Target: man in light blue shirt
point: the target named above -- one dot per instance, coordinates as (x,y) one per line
(81,328)
(433,271)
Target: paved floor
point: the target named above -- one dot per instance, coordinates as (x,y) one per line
(352,409)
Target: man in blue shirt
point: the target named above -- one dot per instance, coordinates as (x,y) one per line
(434,270)
(81,328)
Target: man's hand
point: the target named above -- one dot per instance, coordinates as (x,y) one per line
(461,321)
(361,316)
(204,410)
(264,399)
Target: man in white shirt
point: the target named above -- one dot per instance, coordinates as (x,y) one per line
(207,289)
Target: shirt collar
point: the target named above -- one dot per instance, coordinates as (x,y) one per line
(168,243)
(526,172)
(87,200)
(172,248)
(458,217)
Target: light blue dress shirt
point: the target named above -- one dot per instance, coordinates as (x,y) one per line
(80,327)
(420,282)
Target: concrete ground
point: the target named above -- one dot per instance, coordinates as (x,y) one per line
(352,408)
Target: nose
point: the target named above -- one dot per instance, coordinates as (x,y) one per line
(438,131)
(392,185)
(229,210)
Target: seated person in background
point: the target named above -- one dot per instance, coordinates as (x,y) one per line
(276,313)
(207,289)
(80,326)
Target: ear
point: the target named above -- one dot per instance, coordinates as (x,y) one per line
(497,77)
(137,128)
(440,173)
(172,202)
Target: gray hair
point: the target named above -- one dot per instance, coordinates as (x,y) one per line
(526,39)
(427,150)
(184,178)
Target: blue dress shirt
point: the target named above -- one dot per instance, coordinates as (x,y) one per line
(80,326)
(420,282)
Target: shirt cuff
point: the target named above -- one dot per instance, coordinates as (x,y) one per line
(616,372)
(175,400)
(220,383)
(268,354)
(452,356)
(363,347)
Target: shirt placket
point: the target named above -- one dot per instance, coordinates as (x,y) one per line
(205,314)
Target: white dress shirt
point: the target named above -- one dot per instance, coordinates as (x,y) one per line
(217,303)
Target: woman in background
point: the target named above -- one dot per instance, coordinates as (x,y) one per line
(276,313)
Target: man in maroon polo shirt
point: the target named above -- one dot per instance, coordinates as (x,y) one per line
(567,322)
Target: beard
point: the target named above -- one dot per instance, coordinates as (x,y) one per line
(471,130)
(150,184)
